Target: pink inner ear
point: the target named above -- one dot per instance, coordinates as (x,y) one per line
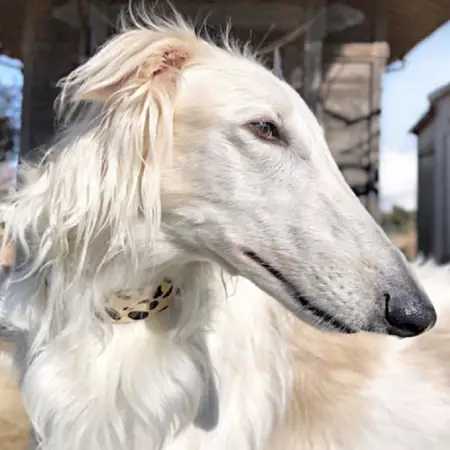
(171,59)
(168,57)
(175,58)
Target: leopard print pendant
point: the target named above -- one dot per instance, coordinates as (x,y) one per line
(131,306)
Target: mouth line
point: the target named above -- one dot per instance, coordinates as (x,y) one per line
(318,313)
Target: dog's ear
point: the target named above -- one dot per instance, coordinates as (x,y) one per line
(132,66)
(134,79)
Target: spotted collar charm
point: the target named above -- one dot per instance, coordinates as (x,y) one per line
(131,306)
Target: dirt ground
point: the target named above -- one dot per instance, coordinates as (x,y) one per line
(14,426)
(406,242)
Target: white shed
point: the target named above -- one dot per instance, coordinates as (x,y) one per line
(433,206)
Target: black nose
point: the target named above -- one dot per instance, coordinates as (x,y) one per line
(409,315)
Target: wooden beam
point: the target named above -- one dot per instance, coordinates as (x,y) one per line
(35,13)
(312,58)
(50,50)
(99,27)
(12,15)
(241,14)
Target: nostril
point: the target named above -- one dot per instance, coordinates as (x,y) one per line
(407,315)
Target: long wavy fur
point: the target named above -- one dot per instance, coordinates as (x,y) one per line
(74,225)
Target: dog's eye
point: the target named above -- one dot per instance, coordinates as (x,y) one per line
(265,130)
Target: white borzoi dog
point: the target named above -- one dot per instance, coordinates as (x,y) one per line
(183,233)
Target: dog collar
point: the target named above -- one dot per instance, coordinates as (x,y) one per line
(122,306)
(130,306)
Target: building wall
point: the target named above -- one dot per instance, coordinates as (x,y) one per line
(349,67)
(442,179)
(426,211)
(350,112)
(434,184)
(346,83)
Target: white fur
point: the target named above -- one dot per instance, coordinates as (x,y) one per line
(410,392)
(161,173)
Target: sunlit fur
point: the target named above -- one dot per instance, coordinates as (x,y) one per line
(157,174)
(349,392)
(369,391)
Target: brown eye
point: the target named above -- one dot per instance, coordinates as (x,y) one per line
(265,130)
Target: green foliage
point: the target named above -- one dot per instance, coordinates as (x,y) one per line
(398,220)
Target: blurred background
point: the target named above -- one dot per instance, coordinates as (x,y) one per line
(375,72)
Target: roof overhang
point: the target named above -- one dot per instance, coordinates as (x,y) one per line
(433,98)
(407,22)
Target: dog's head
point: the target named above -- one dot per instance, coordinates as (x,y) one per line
(205,146)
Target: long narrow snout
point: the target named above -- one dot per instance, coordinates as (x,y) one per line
(387,300)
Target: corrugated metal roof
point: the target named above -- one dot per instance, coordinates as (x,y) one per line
(408,21)
(434,97)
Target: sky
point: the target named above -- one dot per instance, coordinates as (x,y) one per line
(404,100)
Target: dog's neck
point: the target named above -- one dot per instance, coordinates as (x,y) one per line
(93,359)
(138,384)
